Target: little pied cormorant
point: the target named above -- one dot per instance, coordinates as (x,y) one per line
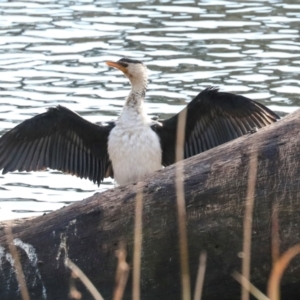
(132,146)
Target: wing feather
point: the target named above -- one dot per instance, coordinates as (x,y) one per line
(58,139)
(213,118)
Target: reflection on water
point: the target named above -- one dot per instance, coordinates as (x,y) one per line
(53,52)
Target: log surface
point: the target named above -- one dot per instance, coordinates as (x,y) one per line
(88,232)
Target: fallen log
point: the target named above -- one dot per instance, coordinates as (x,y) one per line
(89,232)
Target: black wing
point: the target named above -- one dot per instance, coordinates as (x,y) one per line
(213,118)
(57,139)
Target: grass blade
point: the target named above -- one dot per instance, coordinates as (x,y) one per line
(91,288)
(183,241)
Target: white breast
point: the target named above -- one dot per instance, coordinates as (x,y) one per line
(134,149)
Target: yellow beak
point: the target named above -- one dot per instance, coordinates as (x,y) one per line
(116,65)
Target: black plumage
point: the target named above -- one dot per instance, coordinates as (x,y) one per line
(61,139)
(213,118)
(57,139)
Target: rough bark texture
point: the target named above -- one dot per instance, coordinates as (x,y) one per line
(89,231)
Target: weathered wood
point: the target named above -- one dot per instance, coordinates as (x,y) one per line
(88,232)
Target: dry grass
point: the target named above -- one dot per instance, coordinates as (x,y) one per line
(181,208)
(248,224)
(200,276)
(84,279)
(121,277)
(17,264)
(278,269)
(275,239)
(121,273)
(137,243)
(249,286)
(74,293)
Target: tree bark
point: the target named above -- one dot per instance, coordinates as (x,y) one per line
(216,182)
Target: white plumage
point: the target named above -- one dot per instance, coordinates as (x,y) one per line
(133,147)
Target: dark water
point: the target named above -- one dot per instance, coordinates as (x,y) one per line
(53,52)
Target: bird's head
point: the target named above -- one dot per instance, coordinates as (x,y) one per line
(134,70)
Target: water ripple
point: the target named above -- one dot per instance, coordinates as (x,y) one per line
(54,52)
